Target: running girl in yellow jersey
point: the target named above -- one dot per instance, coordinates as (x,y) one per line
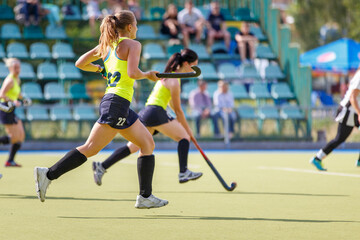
(11,92)
(155,118)
(121,56)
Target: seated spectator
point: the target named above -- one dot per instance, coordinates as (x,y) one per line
(134,6)
(29,12)
(170,25)
(217,26)
(53,13)
(246,43)
(93,11)
(224,104)
(192,22)
(201,107)
(114,6)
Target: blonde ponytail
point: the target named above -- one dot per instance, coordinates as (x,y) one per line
(10,61)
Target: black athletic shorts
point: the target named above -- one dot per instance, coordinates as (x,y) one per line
(115,111)
(153,115)
(8,118)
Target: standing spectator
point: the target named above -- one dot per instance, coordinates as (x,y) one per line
(170,25)
(192,22)
(201,107)
(93,11)
(134,6)
(224,103)
(246,43)
(217,26)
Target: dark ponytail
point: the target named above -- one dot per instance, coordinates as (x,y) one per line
(177,59)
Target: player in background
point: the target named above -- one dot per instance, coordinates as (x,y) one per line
(121,55)
(348,117)
(155,118)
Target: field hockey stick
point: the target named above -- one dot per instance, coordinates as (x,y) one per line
(233,184)
(7,106)
(181,75)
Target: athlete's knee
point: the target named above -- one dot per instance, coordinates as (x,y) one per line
(87,150)
(132,147)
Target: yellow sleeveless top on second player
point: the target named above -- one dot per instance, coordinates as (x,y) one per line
(118,80)
(160,95)
(14,92)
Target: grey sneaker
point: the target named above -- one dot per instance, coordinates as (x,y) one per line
(189,175)
(99,171)
(150,202)
(42,182)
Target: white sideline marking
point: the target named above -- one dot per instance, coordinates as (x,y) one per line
(310,171)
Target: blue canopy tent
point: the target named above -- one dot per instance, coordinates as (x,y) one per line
(340,56)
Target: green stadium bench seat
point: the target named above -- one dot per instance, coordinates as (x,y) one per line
(159,66)
(246,112)
(244,14)
(20,113)
(68,71)
(281,91)
(39,50)
(156,13)
(200,50)
(2,51)
(84,113)
(239,91)
(233,31)
(258,91)
(17,50)
(78,91)
(10,31)
(76,16)
(55,32)
(174,49)
(268,112)
(54,91)
(249,72)
(208,71)
(220,52)
(37,113)
(228,71)
(146,32)
(4,71)
(47,71)
(27,71)
(186,89)
(60,112)
(33,32)
(265,52)
(258,33)
(274,72)
(6,12)
(227,14)
(153,51)
(211,88)
(62,51)
(32,90)
(291,112)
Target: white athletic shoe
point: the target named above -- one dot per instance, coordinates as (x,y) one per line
(150,202)
(42,182)
(189,175)
(99,171)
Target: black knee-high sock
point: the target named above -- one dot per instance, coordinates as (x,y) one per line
(71,160)
(13,150)
(183,152)
(145,167)
(4,140)
(117,155)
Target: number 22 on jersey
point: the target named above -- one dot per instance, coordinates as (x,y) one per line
(113,79)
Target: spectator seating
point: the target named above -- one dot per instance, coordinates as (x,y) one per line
(211,88)
(37,113)
(274,72)
(84,113)
(2,51)
(208,71)
(33,32)
(187,88)
(78,91)
(249,72)
(6,12)
(62,51)
(54,91)
(153,51)
(244,14)
(246,112)
(293,113)
(60,112)
(47,71)
(31,90)
(39,50)
(259,91)
(27,72)
(233,31)
(17,50)
(174,49)
(227,14)
(10,31)
(156,13)
(258,33)
(239,91)
(20,113)
(220,52)
(4,71)
(159,66)
(265,52)
(268,112)
(200,50)
(55,32)
(228,71)
(146,32)
(281,91)
(68,71)
(76,16)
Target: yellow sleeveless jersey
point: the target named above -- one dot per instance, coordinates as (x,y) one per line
(160,95)
(14,92)
(118,80)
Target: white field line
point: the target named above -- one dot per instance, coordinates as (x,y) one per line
(310,171)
